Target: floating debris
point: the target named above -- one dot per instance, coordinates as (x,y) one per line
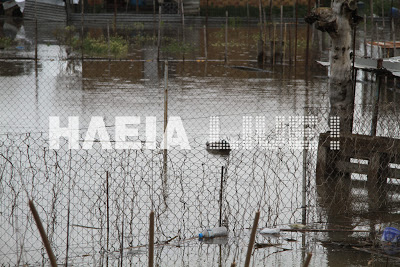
(220,147)
(249,68)
(270,231)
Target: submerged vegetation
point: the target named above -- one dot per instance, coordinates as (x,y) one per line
(5,42)
(173,46)
(116,46)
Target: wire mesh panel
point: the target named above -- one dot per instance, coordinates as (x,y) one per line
(101,126)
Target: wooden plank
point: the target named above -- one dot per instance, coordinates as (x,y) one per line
(363,169)
(363,143)
(352,167)
(322,160)
(386,44)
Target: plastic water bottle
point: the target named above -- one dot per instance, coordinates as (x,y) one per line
(214,232)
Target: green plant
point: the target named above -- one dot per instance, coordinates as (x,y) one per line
(138,26)
(141,39)
(117,46)
(235,22)
(65,35)
(6,42)
(177,47)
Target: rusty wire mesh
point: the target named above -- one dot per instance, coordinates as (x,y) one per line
(95,202)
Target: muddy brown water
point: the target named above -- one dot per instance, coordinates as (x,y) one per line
(63,85)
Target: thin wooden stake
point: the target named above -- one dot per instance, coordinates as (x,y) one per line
(108,215)
(394,38)
(284,42)
(226,37)
(281,35)
(273,45)
(371,7)
(115,17)
(290,46)
(365,35)
(264,44)
(383,15)
(36,41)
(221,195)
(308,259)
(206,12)
(159,34)
(260,47)
(252,239)
(165,150)
(205,42)
(43,234)
(248,11)
(295,37)
(151,240)
(183,30)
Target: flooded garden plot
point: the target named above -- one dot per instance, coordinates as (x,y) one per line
(95,201)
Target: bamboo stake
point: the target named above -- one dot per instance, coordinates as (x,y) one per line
(252,239)
(43,234)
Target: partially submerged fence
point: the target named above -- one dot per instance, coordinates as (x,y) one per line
(111,100)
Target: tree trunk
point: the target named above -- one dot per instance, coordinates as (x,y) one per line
(338,22)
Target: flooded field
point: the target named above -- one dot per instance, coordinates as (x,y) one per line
(94,200)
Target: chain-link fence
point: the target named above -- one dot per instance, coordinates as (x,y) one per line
(84,111)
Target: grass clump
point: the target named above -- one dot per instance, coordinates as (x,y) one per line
(174,47)
(6,42)
(117,47)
